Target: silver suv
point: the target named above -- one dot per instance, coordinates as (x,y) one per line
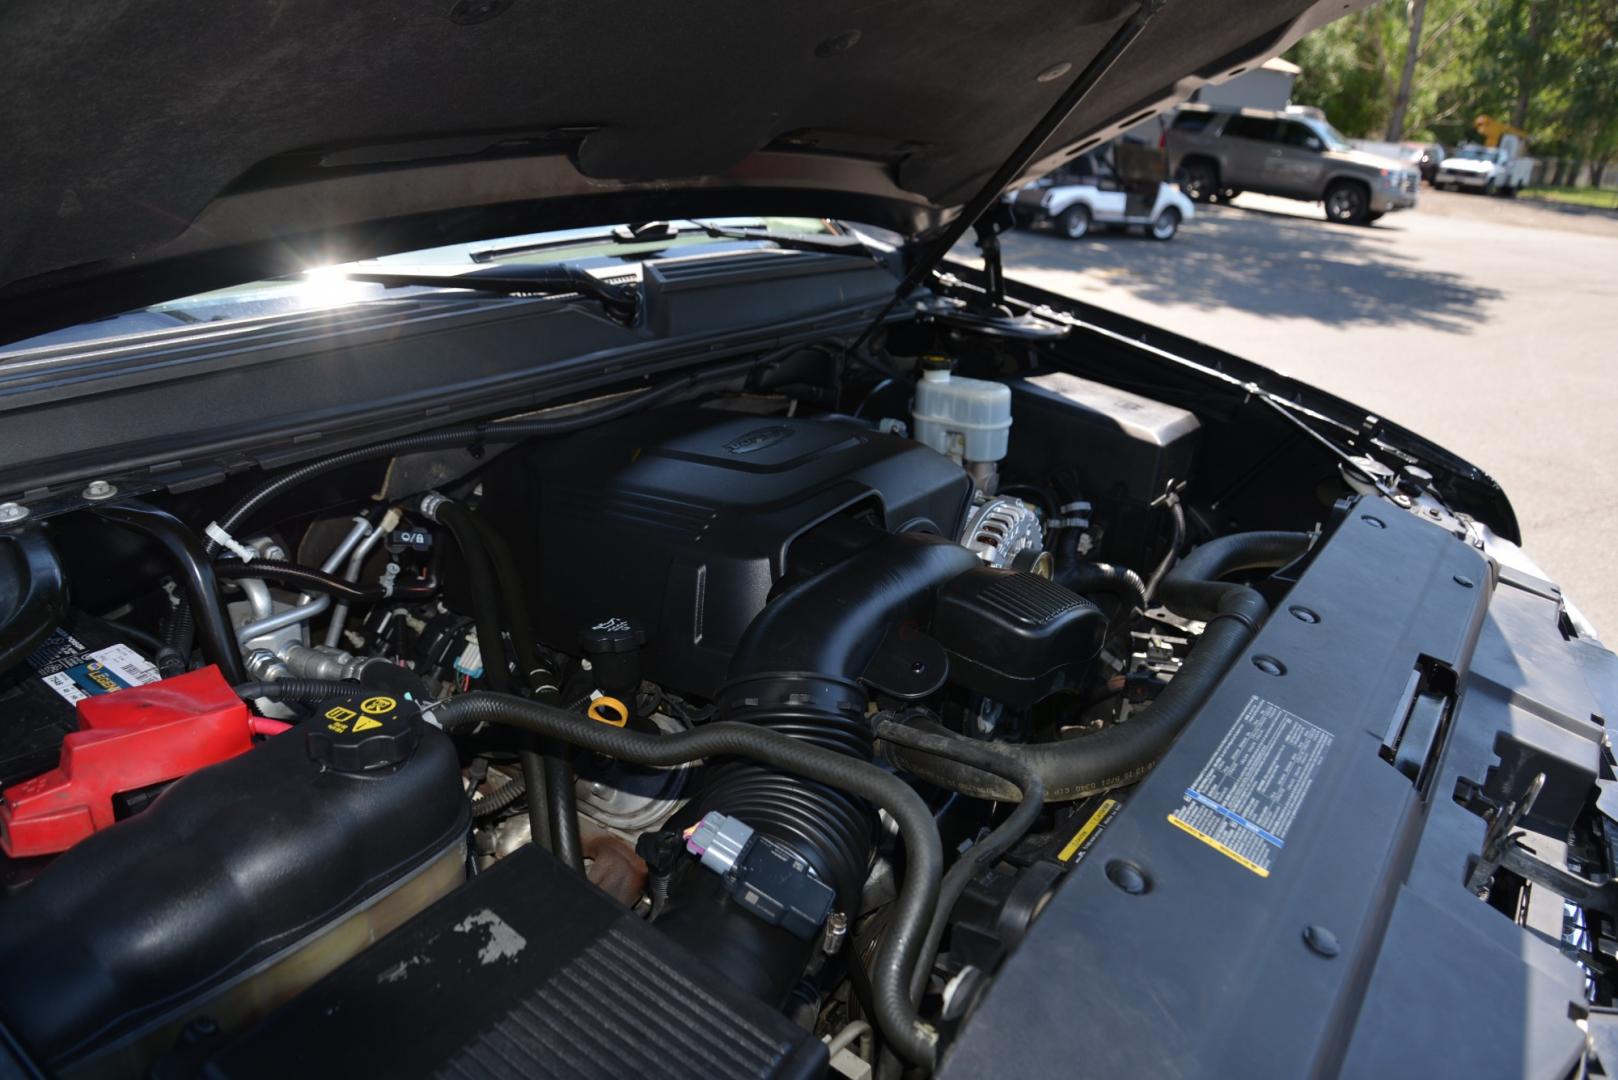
(1221,153)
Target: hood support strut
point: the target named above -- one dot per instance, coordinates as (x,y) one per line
(1086,80)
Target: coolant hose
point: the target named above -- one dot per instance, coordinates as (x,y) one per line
(901,946)
(990,758)
(1123,753)
(195,573)
(552,810)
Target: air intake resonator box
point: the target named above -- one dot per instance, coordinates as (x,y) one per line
(681,519)
(527,971)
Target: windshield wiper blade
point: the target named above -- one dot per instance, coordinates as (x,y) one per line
(558,279)
(828,243)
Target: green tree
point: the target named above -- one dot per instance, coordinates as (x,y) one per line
(1347,69)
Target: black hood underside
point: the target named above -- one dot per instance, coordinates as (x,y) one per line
(162,145)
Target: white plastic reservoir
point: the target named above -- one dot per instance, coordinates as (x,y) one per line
(967,419)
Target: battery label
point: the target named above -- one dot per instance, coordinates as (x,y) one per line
(75,672)
(1247,796)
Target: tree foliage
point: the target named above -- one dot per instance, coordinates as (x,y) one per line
(1547,66)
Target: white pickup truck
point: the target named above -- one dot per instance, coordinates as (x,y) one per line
(1493,170)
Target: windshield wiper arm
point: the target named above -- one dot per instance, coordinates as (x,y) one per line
(559,279)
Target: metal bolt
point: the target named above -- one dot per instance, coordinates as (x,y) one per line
(100,489)
(1321,942)
(11,513)
(836,931)
(1402,501)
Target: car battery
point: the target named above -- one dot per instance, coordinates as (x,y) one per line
(38,697)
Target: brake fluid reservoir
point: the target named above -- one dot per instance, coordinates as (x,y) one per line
(967,419)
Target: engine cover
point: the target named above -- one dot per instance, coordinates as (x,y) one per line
(682,519)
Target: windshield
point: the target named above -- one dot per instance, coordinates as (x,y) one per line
(602,247)
(1329,135)
(1478,153)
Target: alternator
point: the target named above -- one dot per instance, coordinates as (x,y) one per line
(1005,532)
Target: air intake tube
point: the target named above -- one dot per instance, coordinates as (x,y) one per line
(796,672)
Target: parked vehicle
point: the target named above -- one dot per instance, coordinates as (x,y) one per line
(468,609)
(1426,157)
(1491,170)
(1423,157)
(1220,153)
(1091,193)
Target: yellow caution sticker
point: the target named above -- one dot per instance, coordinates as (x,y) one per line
(366,723)
(1261,871)
(376,706)
(1087,832)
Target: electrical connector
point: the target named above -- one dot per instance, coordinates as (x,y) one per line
(762,875)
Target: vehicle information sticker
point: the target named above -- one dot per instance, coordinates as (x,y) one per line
(74,672)
(1248,794)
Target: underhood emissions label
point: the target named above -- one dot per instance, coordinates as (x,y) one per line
(1248,794)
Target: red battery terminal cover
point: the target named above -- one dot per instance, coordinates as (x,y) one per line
(126,741)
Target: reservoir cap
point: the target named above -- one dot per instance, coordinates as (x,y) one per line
(361,734)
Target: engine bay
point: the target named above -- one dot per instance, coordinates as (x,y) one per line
(741,730)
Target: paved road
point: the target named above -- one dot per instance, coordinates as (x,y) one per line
(1498,340)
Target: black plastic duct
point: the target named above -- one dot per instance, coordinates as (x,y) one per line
(795,672)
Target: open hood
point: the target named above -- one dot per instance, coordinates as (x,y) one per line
(163,147)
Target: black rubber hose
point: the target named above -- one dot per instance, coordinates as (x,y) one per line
(179,636)
(483,586)
(1090,578)
(984,853)
(508,793)
(555,777)
(310,579)
(517,785)
(500,431)
(912,1037)
(196,575)
(514,612)
(1123,753)
(308,691)
(1176,539)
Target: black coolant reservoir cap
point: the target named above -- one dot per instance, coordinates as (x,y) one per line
(364,734)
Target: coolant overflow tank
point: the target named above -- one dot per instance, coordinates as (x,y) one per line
(240,885)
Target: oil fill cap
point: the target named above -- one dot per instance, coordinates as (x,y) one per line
(362,734)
